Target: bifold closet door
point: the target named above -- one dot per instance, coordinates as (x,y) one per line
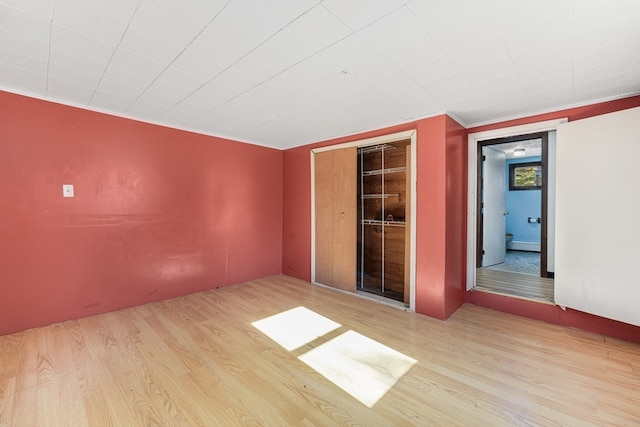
(335,218)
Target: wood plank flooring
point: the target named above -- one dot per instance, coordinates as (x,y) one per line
(514,284)
(198,360)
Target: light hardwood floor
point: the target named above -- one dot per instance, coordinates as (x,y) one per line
(516,285)
(198,360)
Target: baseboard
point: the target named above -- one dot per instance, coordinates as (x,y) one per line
(524,246)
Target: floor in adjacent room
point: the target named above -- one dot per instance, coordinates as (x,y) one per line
(515,285)
(518,276)
(281,351)
(520,262)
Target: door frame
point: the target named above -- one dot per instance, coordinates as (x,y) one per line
(544,192)
(384,139)
(472,176)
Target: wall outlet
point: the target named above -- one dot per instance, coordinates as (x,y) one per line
(67,190)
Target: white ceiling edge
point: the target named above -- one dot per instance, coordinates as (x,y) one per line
(553,110)
(214,135)
(358,133)
(124,116)
(355,133)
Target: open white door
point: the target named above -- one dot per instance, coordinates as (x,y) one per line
(493,206)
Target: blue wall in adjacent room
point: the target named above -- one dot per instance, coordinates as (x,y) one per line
(522,204)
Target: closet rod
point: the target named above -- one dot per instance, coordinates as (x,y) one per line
(384,171)
(380,196)
(387,223)
(373,148)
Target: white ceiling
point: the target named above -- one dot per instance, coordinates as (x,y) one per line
(532,147)
(283,73)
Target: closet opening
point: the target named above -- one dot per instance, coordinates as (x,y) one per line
(363,217)
(383,235)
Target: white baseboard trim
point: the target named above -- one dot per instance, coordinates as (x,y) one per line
(524,246)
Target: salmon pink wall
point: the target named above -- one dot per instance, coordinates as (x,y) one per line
(552,313)
(296,213)
(441,226)
(431,222)
(456,219)
(440,205)
(157,212)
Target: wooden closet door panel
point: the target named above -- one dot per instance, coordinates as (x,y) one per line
(323,164)
(345,172)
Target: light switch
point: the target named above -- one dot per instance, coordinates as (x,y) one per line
(67,190)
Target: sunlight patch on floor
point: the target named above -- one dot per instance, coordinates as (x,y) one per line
(362,367)
(296,327)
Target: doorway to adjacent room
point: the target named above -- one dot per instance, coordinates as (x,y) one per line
(512,212)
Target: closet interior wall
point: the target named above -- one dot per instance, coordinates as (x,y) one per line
(382,217)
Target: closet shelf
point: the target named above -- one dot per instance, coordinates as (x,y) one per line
(384,171)
(379,196)
(385,223)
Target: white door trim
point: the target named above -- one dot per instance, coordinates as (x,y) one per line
(384,139)
(472,182)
